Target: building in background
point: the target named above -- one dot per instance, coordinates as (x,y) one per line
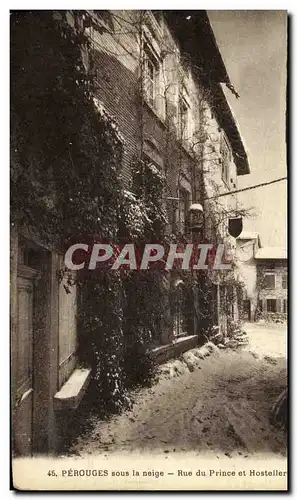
(272,283)
(264,272)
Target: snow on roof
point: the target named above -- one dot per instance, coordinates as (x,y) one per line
(271,253)
(246,235)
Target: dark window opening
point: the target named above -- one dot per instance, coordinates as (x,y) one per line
(184,205)
(269,281)
(184,111)
(271,305)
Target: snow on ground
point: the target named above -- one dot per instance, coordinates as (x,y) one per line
(219,404)
(267,339)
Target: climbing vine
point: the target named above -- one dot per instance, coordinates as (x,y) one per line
(66,155)
(66,158)
(66,152)
(145,291)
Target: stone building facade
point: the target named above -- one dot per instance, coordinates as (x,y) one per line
(272,270)
(265,275)
(160,76)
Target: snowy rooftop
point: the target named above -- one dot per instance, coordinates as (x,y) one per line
(271,253)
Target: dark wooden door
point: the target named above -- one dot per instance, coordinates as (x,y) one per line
(23,409)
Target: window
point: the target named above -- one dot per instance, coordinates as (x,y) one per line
(184,119)
(285,281)
(226,158)
(67,331)
(179,303)
(152,153)
(269,281)
(184,116)
(285,306)
(151,75)
(271,305)
(184,205)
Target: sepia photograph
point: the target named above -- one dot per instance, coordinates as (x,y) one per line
(148,250)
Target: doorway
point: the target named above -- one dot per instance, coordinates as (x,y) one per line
(23,408)
(247,310)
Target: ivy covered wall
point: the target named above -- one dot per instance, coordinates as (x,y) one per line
(66,160)
(66,183)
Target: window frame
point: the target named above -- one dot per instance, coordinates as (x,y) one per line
(265,285)
(150,57)
(184,113)
(285,278)
(185,201)
(270,301)
(184,132)
(179,311)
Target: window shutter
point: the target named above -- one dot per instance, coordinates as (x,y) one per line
(284,281)
(278,305)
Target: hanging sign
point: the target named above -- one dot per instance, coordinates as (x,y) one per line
(235,226)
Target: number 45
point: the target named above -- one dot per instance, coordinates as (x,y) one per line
(52,473)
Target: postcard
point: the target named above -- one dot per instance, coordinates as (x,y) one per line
(148,251)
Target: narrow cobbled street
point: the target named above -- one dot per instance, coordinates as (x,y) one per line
(221,405)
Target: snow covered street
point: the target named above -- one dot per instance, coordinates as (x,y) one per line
(221,405)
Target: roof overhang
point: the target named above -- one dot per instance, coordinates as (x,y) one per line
(228,123)
(195,36)
(193,30)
